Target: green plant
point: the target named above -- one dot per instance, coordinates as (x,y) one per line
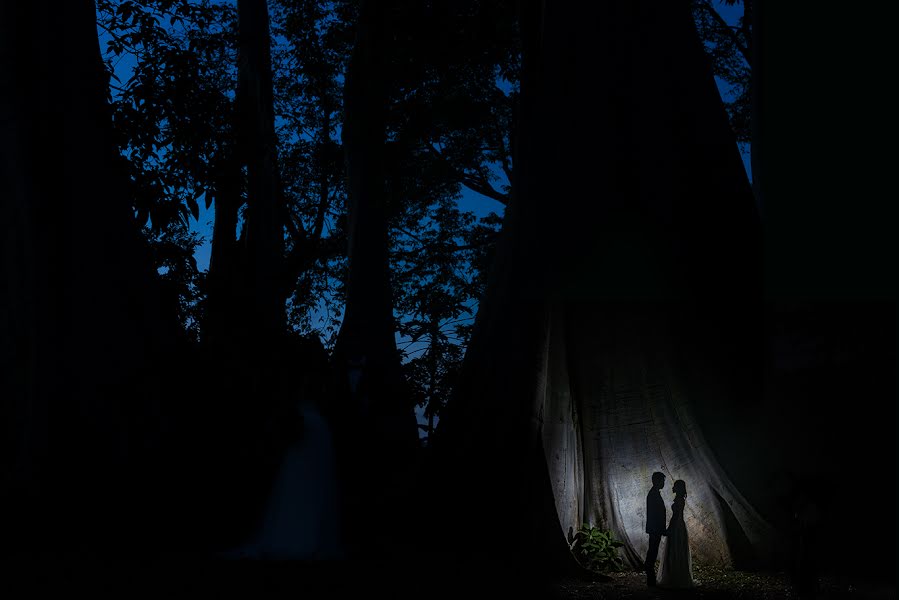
(596,549)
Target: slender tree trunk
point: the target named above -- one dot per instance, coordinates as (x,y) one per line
(265,225)
(368,328)
(376,433)
(433,334)
(367,334)
(246,313)
(756,49)
(223,313)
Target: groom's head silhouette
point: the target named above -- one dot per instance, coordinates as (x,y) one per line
(658,480)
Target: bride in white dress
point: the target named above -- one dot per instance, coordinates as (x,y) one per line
(676,570)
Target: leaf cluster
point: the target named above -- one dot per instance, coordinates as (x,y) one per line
(596,549)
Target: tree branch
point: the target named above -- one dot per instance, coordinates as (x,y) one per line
(413,236)
(295,234)
(323,204)
(481,186)
(485,189)
(308,245)
(443,247)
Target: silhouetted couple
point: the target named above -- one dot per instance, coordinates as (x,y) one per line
(676,569)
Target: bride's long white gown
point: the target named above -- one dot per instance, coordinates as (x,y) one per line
(301,518)
(676,569)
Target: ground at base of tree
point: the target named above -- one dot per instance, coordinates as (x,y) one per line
(718,583)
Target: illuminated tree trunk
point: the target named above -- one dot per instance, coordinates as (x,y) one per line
(629,387)
(608,291)
(80,327)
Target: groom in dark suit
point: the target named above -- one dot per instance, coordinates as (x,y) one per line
(655,525)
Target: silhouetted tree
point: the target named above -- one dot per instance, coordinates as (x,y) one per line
(265,233)
(375,417)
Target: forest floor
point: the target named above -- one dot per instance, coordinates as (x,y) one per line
(373,580)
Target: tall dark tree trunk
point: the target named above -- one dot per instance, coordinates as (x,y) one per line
(433,400)
(80,324)
(250,277)
(368,331)
(592,323)
(265,217)
(223,315)
(378,428)
(757,53)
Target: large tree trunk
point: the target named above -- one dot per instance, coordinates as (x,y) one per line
(80,310)
(610,289)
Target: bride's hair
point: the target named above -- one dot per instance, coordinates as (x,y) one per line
(680,487)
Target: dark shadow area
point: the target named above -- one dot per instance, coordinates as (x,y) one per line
(831,398)
(745,558)
(189,576)
(798,401)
